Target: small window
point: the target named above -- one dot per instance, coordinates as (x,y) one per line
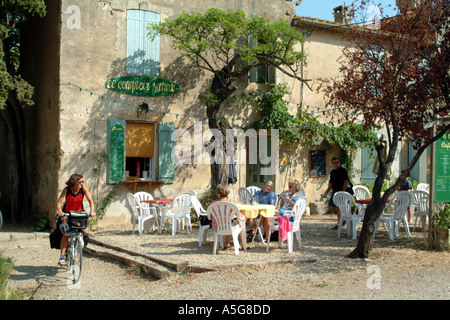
(135,148)
(140,150)
(264,74)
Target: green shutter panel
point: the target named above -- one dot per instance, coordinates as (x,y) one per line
(166,145)
(367,176)
(116,151)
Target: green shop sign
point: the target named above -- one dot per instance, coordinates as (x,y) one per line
(142,86)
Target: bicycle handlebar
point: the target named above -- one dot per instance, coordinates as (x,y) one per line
(77,213)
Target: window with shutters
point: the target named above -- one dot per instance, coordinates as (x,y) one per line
(141,150)
(265,74)
(143,56)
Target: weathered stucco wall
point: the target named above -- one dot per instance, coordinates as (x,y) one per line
(95,51)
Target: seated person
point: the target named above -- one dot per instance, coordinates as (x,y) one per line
(264,196)
(287,202)
(222,193)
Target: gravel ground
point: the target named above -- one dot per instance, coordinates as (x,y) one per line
(401,269)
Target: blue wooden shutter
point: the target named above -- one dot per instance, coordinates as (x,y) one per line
(166,145)
(116,151)
(367,176)
(142,54)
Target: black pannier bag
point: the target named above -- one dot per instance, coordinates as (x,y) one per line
(77,220)
(55,238)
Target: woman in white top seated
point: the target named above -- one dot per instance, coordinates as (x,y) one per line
(287,202)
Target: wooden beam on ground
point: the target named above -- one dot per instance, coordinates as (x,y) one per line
(154,271)
(177,265)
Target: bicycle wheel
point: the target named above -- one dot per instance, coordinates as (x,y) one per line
(1,220)
(75,260)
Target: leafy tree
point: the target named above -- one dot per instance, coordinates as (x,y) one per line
(229,45)
(395,77)
(15,94)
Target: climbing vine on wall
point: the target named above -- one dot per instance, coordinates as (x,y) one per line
(304,127)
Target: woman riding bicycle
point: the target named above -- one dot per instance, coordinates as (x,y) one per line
(72,196)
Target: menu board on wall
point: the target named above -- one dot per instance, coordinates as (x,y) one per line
(317,167)
(442,182)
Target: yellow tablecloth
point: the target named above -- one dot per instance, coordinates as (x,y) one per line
(252,211)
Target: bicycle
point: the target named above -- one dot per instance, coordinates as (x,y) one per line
(76,222)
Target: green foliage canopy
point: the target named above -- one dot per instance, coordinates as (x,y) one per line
(12,14)
(217,39)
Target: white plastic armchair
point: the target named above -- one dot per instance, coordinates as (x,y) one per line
(302,192)
(284,193)
(297,212)
(182,203)
(423,187)
(244,195)
(201,212)
(222,213)
(422,204)
(145,211)
(253,190)
(362,192)
(344,201)
(400,202)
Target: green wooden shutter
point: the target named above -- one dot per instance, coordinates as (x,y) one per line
(116,151)
(166,145)
(367,176)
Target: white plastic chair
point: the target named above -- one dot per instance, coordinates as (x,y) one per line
(344,201)
(222,212)
(143,211)
(191,192)
(423,187)
(302,192)
(201,212)
(183,204)
(422,203)
(400,203)
(284,193)
(362,192)
(297,211)
(253,190)
(244,195)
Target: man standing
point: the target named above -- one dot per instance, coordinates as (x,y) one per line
(339,181)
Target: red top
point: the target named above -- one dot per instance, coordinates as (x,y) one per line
(74,202)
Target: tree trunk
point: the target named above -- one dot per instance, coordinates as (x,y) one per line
(220,90)
(376,207)
(365,241)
